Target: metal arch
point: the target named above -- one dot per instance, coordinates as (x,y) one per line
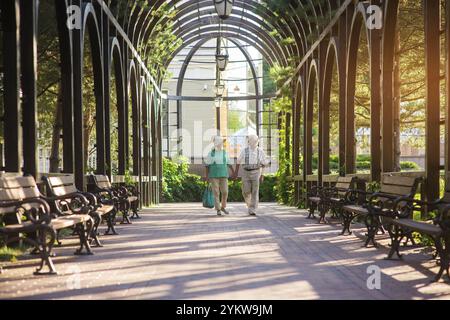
(266,55)
(116,57)
(297,108)
(331,60)
(90,23)
(143,124)
(288,28)
(312,83)
(325,32)
(273,45)
(66,54)
(388,43)
(187,7)
(230,32)
(283,28)
(186,65)
(138,25)
(207,13)
(131,70)
(133,92)
(130,19)
(301,22)
(269,38)
(352,55)
(214,23)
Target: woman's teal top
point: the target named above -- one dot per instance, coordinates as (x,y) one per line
(217,162)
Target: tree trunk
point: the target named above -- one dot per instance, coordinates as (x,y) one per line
(56,136)
(397,99)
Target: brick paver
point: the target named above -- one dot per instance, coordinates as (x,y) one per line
(182,251)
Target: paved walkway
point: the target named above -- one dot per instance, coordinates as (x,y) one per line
(183,251)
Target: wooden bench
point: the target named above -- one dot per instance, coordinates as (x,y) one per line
(65,186)
(322,198)
(380,203)
(123,198)
(26,211)
(335,197)
(314,200)
(133,195)
(401,225)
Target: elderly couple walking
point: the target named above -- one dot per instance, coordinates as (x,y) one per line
(252,159)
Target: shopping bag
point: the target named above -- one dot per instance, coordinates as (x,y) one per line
(208,197)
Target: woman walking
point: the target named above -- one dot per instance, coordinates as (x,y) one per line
(217,165)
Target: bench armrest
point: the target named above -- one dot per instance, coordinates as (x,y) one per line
(353,195)
(33,214)
(92,199)
(442,219)
(99,193)
(134,191)
(78,203)
(409,204)
(315,191)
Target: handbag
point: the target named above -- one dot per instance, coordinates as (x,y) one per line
(208,197)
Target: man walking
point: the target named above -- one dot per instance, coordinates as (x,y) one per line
(252,159)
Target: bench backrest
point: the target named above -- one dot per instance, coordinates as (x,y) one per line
(101,181)
(61,185)
(400,186)
(18,188)
(345,183)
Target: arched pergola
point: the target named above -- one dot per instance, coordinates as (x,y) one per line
(323,34)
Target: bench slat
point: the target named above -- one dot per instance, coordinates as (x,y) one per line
(17,182)
(396,190)
(399,181)
(18,194)
(63,190)
(61,181)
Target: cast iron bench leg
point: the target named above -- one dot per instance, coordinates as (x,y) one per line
(110,218)
(347,219)
(372,226)
(323,208)
(94,233)
(312,207)
(135,211)
(46,251)
(396,238)
(83,233)
(125,215)
(444,263)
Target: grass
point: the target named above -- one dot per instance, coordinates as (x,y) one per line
(11,254)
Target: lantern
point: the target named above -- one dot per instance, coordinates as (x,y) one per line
(224,8)
(222,61)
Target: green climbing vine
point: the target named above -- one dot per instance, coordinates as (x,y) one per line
(282,105)
(162,42)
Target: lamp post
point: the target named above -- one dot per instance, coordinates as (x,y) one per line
(223,8)
(220,89)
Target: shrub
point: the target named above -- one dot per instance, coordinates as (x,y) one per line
(181,186)
(267,189)
(235,191)
(363,165)
(409,165)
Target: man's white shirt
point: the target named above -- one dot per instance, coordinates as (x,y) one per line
(253,154)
